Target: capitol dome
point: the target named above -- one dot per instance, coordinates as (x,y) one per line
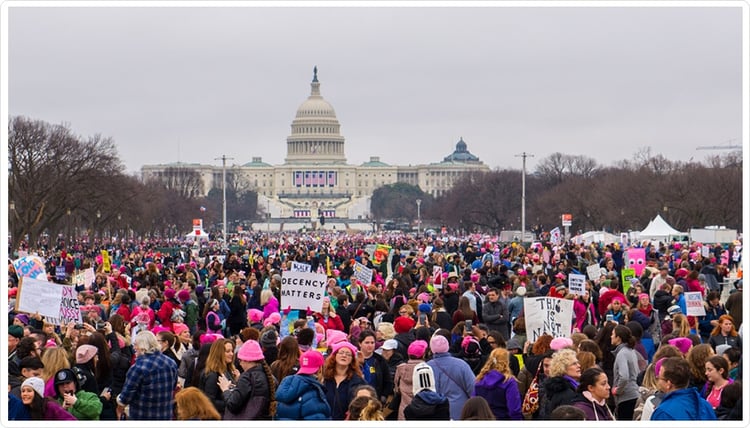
(316,133)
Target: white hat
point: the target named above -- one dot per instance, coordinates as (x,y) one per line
(521,291)
(37,384)
(423,378)
(389,344)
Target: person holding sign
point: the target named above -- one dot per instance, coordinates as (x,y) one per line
(327,316)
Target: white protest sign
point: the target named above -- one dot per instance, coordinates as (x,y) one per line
(705,251)
(301,290)
(30,267)
(427,250)
(56,302)
(694,304)
(577,284)
(594,272)
(89,277)
(300,267)
(362,274)
(547,315)
(437,277)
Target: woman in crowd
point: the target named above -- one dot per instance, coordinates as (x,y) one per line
(464,312)
(560,387)
(213,315)
(327,316)
(193,405)
(256,387)
(237,319)
(593,392)
(725,333)
(496,384)
(341,375)
(402,379)
(301,396)
(625,372)
(365,408)
(166,342)
(477,409)
(287,361)
(717,376)
(220,362)
(39,405)
(54,360)
(696,358)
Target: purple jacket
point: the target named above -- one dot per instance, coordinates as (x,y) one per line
(501,394)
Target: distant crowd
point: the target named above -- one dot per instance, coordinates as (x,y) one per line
(191,332)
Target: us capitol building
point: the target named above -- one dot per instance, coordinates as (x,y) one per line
(315,178)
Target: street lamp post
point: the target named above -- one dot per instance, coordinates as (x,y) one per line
(98,216)
(523,156)
(224,196)
(419,216)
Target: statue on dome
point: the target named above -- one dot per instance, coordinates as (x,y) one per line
(315,73)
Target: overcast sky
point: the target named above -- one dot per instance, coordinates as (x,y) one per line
(193,84)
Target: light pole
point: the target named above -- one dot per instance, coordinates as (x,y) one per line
(224,196)
(98,216)
(69,234)
(523,156)
(419,216)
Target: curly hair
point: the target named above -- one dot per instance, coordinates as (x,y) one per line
(329,368)
(561,360)
(697,357)
(498,360)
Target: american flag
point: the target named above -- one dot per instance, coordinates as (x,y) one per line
(298,178)
(321,178)
(307,178)
(331,178)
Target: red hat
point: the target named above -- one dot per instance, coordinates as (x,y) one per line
(169,293)
(403,324)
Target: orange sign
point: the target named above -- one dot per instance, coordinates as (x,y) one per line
(567,219)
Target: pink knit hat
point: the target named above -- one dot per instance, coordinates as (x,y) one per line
(254,315)
(439,344)
(274,318)
(179,327)
(334,336)
(346,345)
(559,343)
(417,348)
(682,343)
(250,351)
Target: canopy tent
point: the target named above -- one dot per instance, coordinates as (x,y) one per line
(659,230)
(598,236)
(197,234)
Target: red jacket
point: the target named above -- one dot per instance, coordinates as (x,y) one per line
(334,322)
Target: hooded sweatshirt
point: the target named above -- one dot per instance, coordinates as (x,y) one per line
(501,394)
(428,405)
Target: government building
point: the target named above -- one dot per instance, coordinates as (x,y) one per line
(315,178)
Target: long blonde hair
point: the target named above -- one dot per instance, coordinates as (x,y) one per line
(54,359)
(215,361)
(499,360)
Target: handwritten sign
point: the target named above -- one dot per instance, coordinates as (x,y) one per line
(362,274)
(577,284)
(300,267)
(301,290)
(547,315)
(60,273)
(437,277)
(56,302)
(381,254)
(594,272)
(694,303)
(30,267)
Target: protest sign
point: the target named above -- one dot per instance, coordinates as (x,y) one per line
(577,284)
(362,274)
(694,303)
(30,267)
(106,262)
(56,302)
(301,290)
(627,275)
(547,315)
(594,272)
(60,273)
(300,267)
(381,254)
(437,277)
(705,251)
(427,250)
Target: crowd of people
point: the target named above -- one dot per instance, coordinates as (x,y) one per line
(204,334)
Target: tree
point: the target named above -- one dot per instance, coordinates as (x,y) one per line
(52,170)
(398,202)
(186,182)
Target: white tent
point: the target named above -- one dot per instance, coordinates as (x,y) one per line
(197,234)
(659,230)
(598,236)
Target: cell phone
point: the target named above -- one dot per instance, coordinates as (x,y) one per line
(468,324)
(422,319)
(610,317)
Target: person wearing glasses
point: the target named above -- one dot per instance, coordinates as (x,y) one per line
(341,376)
(680,401)
(561,385)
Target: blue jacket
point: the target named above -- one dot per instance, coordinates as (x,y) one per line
(454,379)
(301,397)
(501,394)
(684,405)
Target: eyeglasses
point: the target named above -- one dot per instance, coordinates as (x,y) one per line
(345,354)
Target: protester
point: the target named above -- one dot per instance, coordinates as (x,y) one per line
(301,396)
(253,395)
(38,405)
(341,375)
(192,404)
(680,402)
(496,384)
(453,377)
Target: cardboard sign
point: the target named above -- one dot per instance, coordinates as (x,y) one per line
(300,267)
(58,303)
(547,315)
(60,273)
(301,290)
(362,274)
(30,267)
(577,284)
(694,303)
(594,271)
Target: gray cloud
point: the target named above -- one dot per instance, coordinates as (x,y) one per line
(195,83)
